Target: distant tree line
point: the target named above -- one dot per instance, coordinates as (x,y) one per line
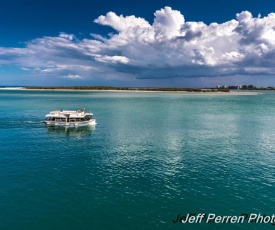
(128,88)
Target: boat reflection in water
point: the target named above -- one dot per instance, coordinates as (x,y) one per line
(71,131)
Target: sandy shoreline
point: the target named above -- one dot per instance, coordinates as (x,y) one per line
(137,91)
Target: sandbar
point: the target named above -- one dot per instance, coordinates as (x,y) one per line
(230,93)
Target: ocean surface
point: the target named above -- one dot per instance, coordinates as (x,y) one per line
(150,157)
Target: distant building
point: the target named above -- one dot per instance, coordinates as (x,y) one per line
(243,87)
(222,87)
(233,87)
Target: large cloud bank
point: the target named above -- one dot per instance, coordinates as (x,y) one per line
(170,47)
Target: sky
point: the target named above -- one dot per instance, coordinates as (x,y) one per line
(156,43)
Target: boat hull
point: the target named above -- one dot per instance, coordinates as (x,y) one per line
(91,122)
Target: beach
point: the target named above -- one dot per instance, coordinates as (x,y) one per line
(230,93)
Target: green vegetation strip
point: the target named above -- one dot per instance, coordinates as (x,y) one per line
(126,88)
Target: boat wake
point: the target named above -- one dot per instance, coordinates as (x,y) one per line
(20,124)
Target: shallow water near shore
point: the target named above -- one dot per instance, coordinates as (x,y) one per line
(150,157)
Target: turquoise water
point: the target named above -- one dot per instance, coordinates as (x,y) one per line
(150,157)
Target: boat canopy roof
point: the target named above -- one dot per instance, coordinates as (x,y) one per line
(68,113)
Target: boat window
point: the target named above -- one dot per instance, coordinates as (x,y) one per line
(88,117)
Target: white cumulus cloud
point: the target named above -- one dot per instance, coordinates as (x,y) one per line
(72,76)
(121,23)
(169,47)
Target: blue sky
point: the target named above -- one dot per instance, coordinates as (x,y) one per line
(184,43)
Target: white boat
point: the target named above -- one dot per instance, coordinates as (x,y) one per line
(69,118)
